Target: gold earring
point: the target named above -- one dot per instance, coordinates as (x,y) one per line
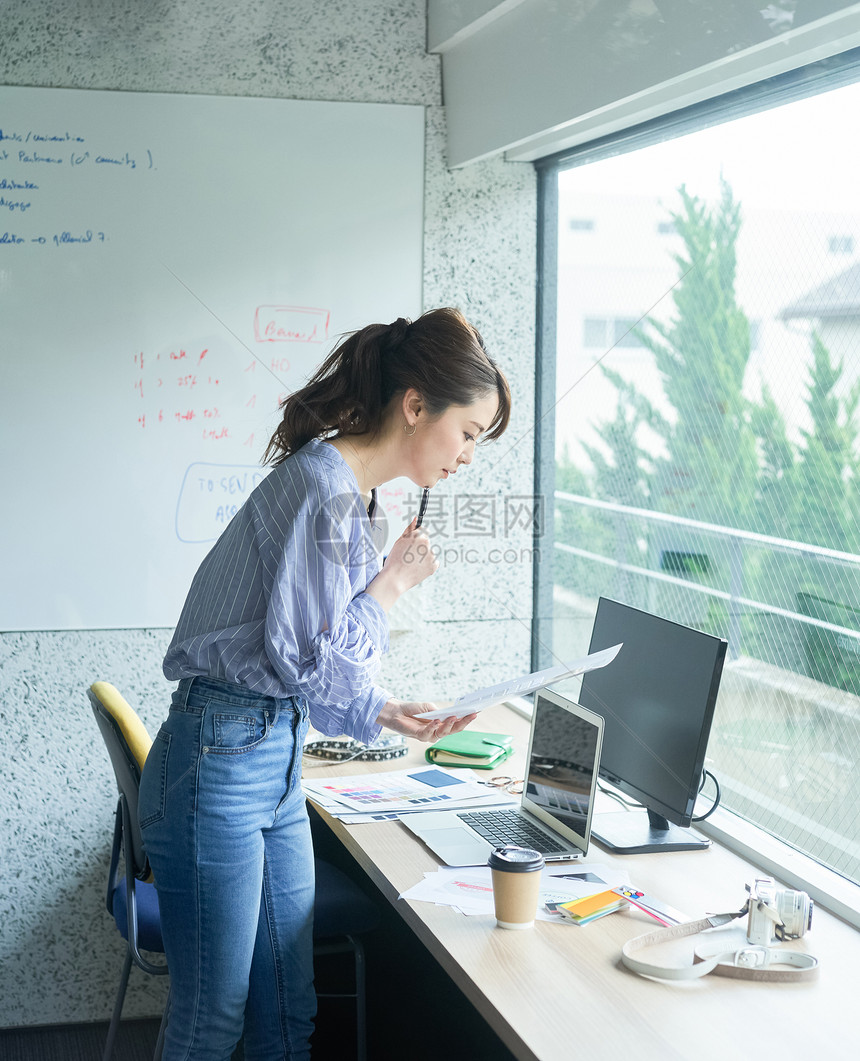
(407,431)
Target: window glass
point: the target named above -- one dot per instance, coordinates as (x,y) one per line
(707,426)
(624,332)
(594,335)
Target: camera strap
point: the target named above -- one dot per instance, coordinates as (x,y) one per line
(745,963)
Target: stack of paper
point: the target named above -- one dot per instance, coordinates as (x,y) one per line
(470,889)
(382,796)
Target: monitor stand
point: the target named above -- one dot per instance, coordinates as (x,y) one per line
(632,833)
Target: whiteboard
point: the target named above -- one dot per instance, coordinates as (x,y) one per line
(170,268)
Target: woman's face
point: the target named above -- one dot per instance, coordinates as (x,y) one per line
(439,446)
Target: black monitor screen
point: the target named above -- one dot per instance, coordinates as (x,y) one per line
(657,698)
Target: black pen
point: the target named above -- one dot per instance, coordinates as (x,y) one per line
(422,508)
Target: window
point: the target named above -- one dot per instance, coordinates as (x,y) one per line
(841,244)
(707,434)
(602,333)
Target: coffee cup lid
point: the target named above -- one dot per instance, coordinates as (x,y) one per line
(515,859)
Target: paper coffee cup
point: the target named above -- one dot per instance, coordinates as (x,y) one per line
(516,885)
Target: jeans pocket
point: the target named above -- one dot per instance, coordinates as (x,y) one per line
(153,783)
(234,733)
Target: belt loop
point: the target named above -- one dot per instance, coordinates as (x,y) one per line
(183,691)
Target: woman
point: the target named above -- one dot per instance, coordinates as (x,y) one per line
(285,623)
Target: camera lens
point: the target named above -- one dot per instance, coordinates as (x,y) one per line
(795,911)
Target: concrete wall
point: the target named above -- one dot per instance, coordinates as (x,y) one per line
(60,955)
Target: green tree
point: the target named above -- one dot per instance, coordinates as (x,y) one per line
(623,467)
(823,483)
(711,463)
(569,476)
(720,458)
(578,526)
(776,461)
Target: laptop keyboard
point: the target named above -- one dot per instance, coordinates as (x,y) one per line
(507,827)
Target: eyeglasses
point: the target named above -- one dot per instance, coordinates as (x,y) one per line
(509,784)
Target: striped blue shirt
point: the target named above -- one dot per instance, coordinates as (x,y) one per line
(279,604)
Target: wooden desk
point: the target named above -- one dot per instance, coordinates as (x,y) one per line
(560,991)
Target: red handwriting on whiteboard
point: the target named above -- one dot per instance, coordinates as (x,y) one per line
(291,324)
(186,398)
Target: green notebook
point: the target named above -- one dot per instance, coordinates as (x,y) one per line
(480,751)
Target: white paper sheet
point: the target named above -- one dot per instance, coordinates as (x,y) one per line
(494,694)
(421,788)
(470,888)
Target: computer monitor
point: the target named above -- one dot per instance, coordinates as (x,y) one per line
(657,698)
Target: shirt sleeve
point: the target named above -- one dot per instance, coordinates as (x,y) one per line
(357,719)
(324,640)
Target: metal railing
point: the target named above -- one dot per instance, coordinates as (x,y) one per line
(734,596)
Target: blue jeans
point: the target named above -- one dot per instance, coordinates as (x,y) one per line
(226,831)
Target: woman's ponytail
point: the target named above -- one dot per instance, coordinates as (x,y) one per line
(439,354)
(342,397)
(397,332)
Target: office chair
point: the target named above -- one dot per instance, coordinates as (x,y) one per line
(342,912)
(131,900)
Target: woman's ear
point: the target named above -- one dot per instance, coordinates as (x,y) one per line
(412,406)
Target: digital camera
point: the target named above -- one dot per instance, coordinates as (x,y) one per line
(776,913)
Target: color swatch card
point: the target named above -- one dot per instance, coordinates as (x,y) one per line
(399,790)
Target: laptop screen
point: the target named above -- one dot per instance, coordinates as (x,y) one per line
(564,755)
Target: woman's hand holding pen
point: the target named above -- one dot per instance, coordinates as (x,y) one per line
(397,715)
(411,557)
(410,561)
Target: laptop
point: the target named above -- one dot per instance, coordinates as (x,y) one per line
(554,812)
